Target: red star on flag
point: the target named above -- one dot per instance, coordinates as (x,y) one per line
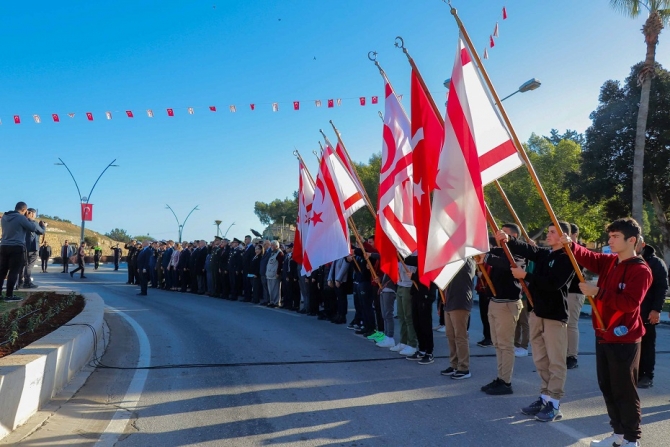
(316,218)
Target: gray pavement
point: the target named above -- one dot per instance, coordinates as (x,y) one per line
(319,384)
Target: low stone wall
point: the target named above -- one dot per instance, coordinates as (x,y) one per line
(31,377)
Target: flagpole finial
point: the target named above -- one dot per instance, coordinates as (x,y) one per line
(400,43)
(372,55)
(380,115)
(451,7)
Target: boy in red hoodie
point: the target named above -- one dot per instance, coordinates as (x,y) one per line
(624,279)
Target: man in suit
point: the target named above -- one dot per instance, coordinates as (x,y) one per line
(32,248)
(45,254)
(131,258)
(117,256)
(247,257)
(65,252)
(183,266)
(193,267)
(235,269)
(145,254)
(165,262)
(201,273)
(223,268)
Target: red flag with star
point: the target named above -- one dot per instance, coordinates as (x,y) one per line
(170,112)
(296,105)
(89,116)
(55,117)
(427,137)
(212,108)
(362,100)
(129,113)
(330,103)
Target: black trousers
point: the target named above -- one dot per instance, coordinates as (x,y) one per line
(185,279)
(131,272)
(31,257)
(116,262)
(66,264)
(257,286)
(248,287)
(45,264)
(422,317)
(484,314)
(648,351)
(79,267)
(144,281)
(617,369)
(342,301)
(12,259)
(330,301)
(378,307)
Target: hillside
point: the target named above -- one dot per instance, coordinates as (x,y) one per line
(58,232)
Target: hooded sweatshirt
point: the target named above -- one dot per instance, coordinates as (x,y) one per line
(14,228)
(623,286)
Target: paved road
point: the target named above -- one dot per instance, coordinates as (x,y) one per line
(314,383)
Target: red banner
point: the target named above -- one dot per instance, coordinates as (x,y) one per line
(87,211)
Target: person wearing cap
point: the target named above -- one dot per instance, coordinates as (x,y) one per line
(224,279)
(152,264)
(234,269)
(214,266)
(183,267)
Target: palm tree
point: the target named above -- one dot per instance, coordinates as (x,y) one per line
(659,13)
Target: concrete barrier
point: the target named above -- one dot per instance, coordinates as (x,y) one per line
(31,377)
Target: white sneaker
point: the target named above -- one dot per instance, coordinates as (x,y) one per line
(610,441)
(630,444)
(399,347)
(407,350)
(438,327)
(442,329)
(387,342)
(520,352)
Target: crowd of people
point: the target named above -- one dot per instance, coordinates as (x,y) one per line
(531,298)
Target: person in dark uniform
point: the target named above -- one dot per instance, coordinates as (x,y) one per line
(97,254)
(193,283)
(116,251)
(247,257)
(201,273)
(183,266)
(224,279)
(234,268)
(45,254)
(143,257)
(81,253)
(130,259)
(214,265)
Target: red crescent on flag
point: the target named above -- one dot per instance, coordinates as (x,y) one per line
(391,149)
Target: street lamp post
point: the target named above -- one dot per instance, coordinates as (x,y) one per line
(218,227)
(179,224)
(84,199)
(228,229)
(283,221)
(527,86)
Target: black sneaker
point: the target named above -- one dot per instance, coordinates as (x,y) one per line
(426,360)
(459,375)
(360,331)
(30,286)
(13,298)
(534,408)
(448,372)
(549,414)
(416,356)
(490,385)
(485,343)
(571,362)
(645,382)
(500,389)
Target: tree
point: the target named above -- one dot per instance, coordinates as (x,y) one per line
(144,237)
(659,13)
(117,234)
(269,213)
(555,164)
(610,146)
(369,174)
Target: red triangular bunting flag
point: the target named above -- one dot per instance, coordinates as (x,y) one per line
(170,112)
(491,42)
(212,108)
(17,119)
(89,115)
(129,113)
(55,117)
(495,31)
(296,105)
(330,103)
(375,100)
(253,106)
(362,100)
(504,13)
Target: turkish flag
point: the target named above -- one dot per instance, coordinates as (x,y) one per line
(170,112)
(87,211)
(253,106)
(504,13)
(362,100)
(89,115)
(427,137)
(55,117)
(330,103)
(129,113)
(17,119)
(296,105)
(336,198)
(375,100)
(305,199)
(212,108)
(492,42)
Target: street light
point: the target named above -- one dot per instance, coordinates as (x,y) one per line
(84,199)
(181,225)
(218,227)
(283,220)
(525,87)
(229,227)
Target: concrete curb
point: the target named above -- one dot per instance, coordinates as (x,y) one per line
(31,377)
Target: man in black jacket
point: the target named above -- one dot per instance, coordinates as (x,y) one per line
(32,248)
(247,257)
(183,266)
(650,311)
(503,313)
(130,259)
(548,285)
(45,254)
(201,273)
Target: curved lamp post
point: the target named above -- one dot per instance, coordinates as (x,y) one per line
(179,224)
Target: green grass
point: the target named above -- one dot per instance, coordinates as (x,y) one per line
(6,306)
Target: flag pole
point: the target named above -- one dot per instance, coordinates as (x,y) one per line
(357,235)
(524,156)
(508,253)
(400,43)
(309,175)
(511,210)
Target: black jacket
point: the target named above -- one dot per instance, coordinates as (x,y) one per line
(423,292)
(200,259)
(184,259)
(507,288)
(460,288)
(655,296)
(45,252)
(247,257)
(255,266)
(549,282)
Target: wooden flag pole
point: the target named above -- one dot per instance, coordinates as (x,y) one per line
(309,175)
(508,253)
(524,156)
(511,210)
(375,278)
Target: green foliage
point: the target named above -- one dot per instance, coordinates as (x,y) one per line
(369,175)
(54,218)
(144,237)
(269,213)
(91,241)
(117,234)
(555,165)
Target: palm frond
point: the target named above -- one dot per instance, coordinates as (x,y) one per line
(631,8)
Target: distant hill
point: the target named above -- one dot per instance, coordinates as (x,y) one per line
(58,232)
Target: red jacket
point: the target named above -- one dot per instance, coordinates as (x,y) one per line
(623,286)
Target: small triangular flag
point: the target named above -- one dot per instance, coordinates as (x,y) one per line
(71,115)
(17,119)
(212,108)
(361,100)
(190,110)
(504,13)
(339,102)
(55,117)
(108,115)
(252,106)
(491,42)
(495,31)
(89,116)
(129,113)
(375,100)
(170,112)
(486,53)
(233,109)
(150,113)
(37,119)
(330,103)
(296,105)
(275,107)
(317,103)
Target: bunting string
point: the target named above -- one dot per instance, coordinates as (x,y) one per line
(494,35)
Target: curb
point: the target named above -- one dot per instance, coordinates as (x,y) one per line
(32,376)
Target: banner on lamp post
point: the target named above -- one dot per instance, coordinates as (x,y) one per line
(86,211)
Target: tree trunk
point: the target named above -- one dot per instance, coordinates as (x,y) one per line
(664,225)
(651,31)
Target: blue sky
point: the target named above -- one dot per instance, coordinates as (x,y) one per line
(61,57)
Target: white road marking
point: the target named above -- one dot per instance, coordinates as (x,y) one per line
(119,421)
(578,436)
